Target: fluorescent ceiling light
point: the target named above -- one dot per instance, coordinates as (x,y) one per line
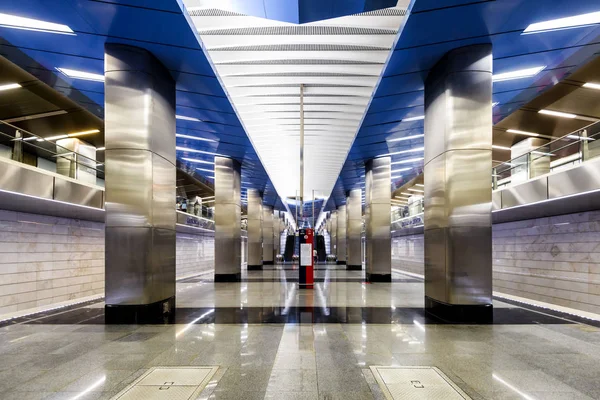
(407,161)
(30,24)
(401,170)
(210,177)
(419,184)
(500,147)
(422,117)
(406,138)
(494,104)
(101,149)
(416,190)
(591,85)
(404,151)
(206,170)
(9,86)
(558,114)
(53,138)
(183,117)
(518,74)
(74,134)
(580,137)
(397,177)
(576,21)
(408,194)
(194,137)
(74,74)
(518,132)
(195,160)
(194,151)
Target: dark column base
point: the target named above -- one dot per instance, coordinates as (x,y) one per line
(268,262)
(341,262)
(379,277)
(354,267)
(228,277)
(254,267)
(161,312)
(459,313)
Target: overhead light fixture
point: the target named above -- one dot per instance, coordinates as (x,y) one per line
(69,135)
(422,117)
(194,137)
(518,74)
(30,24)
(518,132)
(576,21)
(195,151)
(401,170)
(585,138)
(87,76)
(419,184)
(210,177)
(591,85)
(101,149)
(558,114)
(206,170)
(494,104)
(396,177)
(407,161)
(416,190)
(183,117)
(406,138)
(404,152)
(9,86)
(500,147)
(195,160)
(408,194)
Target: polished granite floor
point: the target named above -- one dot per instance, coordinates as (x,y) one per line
(271,340)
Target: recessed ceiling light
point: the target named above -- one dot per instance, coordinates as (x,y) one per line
(416,190)
(500,147)
(518,74)
(413,119)
(205,170)
(195,160)
(194,137)
(408,194)
(419,184)
(397,177)
(195,151)
(183,117)
(558,114)
(101,149)
(404,152)
(69,135)
(407,161)
(30,24)
(576,21)
(75,74)
(518,132)
(401,170)
(494,104)
(9,86)
(406,138)
(591,85)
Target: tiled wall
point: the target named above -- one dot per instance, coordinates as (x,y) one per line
(407,253)
(195,254)
(47,260)
(554,260)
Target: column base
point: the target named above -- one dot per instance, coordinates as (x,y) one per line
(254,267)
(459,313)
(268,262)
(161,312)
(354,267)
(340,262)
(379,277)
(228,277)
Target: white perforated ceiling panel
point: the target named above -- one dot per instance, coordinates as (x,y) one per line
(262,64)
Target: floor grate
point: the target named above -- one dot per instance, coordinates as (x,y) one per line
(416,383)
(172,383)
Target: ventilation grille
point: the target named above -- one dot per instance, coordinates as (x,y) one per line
(298,62)
(386,12)
(279,74)
(213,12)
(299,30)
(302,47)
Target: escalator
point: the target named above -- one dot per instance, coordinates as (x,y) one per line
(290,246)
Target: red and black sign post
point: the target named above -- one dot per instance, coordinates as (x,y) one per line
(307,279)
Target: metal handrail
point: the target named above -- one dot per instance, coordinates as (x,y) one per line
(581,138)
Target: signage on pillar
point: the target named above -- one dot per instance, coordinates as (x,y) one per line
(306,237)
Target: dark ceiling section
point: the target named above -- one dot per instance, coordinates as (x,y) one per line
(436,26)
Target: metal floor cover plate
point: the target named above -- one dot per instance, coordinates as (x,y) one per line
(172,383)
(416,383)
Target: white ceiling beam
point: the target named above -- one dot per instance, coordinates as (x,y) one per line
(348,69)
(309,91)
(372,56)
(213,42)
(241,101)
(232,81)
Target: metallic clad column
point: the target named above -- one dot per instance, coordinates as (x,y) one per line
(458,193)
(228,220)
(354,229)
(268,243)
(255,233)
(341,234)
(333,239)
(276,234)
(140,187)
(378,194)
